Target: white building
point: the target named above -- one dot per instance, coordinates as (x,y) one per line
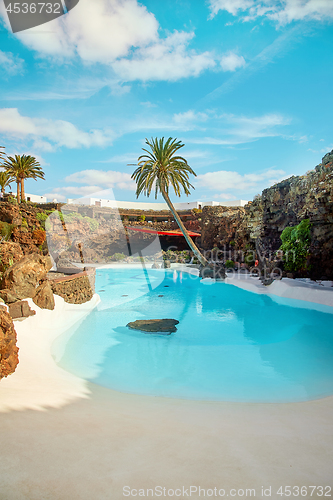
(34,198)
(139,205)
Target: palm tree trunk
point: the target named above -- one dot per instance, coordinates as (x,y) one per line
(183,229)
(18,191)
(22,190)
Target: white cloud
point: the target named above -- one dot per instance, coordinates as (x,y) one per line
(224,196)
(167,59)
(124,159)
(48,134)
(243,129)
(232,6)
(283,12)
(108,179)
(98,31)
(55,196)
(148,104)
(11,64)
(81,191)
(188,120)
(225,180)
(121,34)
(231,61)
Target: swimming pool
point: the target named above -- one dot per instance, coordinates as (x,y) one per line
(231,344)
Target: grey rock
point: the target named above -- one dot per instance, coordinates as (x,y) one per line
(165,326)
(328,158)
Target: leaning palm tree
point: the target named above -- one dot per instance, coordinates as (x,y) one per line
(20,168)
(161,168)
(5,180)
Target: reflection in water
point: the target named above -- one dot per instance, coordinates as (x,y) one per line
(230,344)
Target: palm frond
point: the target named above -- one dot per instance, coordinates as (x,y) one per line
(162,167)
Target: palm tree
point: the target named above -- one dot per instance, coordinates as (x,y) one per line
(5,180)
(23,167)
(2,153)
(161,168)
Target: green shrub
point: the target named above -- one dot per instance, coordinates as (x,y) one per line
(41,217)
(295,246)
(74,217)
(141,218)
(6,230)
(119,256)
(249,257)
(229,264)
(24,223)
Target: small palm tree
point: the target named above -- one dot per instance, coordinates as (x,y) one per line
(161,168)
(20,168)
(5,180)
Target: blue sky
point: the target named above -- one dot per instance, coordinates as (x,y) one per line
(245,84)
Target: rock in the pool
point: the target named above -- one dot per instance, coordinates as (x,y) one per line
(165,326)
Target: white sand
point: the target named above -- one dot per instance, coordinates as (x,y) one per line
(74,440)
(38,382)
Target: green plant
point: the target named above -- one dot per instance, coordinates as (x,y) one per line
(118,256)
(12,200)
(5,180)
(141,218)
(24,223)
(250,257)
(229,264)
(295,246)
(6,230)
(21,168)
(41,217)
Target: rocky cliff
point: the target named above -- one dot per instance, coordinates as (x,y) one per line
(8,348)
(284,204)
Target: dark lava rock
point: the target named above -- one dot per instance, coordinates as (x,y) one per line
(165,326)
(214,271)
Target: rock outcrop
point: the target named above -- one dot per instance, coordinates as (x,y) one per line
(8,347)
(20,309)
(21,279)
(43,297)
(220,227)
(165,326)
(259,225)
(26,228)
(9,254)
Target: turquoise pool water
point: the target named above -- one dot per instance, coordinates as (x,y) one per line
(231,344)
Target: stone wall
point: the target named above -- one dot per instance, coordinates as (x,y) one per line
(8,348)
(75,289)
